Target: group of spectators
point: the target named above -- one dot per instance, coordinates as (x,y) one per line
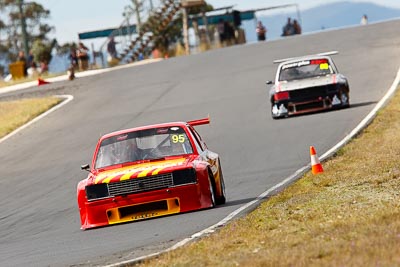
(290,28)
(226,33)
(31,68)
(79,57)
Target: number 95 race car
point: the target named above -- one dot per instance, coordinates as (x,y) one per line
(148,172)
(308,84)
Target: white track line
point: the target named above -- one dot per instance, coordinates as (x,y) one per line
(300,172)
(67,98)
(235,213)
(367,120)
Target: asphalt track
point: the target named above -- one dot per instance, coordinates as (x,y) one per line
(39,167)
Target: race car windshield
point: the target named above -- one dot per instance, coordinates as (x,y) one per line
(143,145)
(305,69)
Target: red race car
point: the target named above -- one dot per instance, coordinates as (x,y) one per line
(147,172)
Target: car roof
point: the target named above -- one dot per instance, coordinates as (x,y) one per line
(153,126)
(297,59)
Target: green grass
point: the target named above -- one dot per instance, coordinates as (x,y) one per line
(347,216)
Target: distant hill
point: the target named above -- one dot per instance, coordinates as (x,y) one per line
(327,16)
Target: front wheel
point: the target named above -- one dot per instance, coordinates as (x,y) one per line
(222,198)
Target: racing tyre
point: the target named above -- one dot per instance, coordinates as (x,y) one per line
(278,117)
(221,199)
(212,192)
(272,114)
(345,100)
(275,117)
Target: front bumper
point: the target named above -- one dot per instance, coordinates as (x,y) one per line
(141,206)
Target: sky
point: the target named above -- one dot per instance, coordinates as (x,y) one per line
(74,16)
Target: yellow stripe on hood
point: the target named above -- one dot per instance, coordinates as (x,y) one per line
(143,169)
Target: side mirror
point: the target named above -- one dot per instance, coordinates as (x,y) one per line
(85,167)
(269,82)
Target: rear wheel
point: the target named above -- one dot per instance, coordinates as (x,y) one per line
(275,115)
(345,99)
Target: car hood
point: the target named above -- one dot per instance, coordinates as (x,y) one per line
(305,83)
(142,169)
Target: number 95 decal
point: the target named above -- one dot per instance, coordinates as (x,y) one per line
(178,138)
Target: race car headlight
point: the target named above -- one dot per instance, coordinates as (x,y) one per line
(187,176)
(97,191)
(281,96)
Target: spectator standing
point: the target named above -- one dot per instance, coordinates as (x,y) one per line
(111,49)
(297,27)
(364,20)
(288,29)
(221,31)
(73,63)
(22,58)
(30,61)
(229,33)
(73,58)
(261,31)
(83,56)
(32,70)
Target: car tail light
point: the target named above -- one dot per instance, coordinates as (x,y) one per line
(319,61)
(281,96)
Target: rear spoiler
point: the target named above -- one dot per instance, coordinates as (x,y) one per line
(199,122)
(330,53)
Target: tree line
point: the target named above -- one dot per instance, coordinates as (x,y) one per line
(24,26)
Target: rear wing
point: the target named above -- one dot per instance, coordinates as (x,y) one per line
(199,122)
(330,53)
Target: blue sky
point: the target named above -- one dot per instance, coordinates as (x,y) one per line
(74,16)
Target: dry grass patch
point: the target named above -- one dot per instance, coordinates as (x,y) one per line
(347,216)
(14,114)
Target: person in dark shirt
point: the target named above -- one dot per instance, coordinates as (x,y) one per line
(111,49)
(288,29)
(83,56)
(261,32)
(297,27)
(221,31)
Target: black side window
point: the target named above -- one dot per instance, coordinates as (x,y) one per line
(197,140)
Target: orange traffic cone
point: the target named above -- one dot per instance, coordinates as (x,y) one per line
(315,164)
(42,82)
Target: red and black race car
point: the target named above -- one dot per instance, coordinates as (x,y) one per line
(147,172)
(308,84)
